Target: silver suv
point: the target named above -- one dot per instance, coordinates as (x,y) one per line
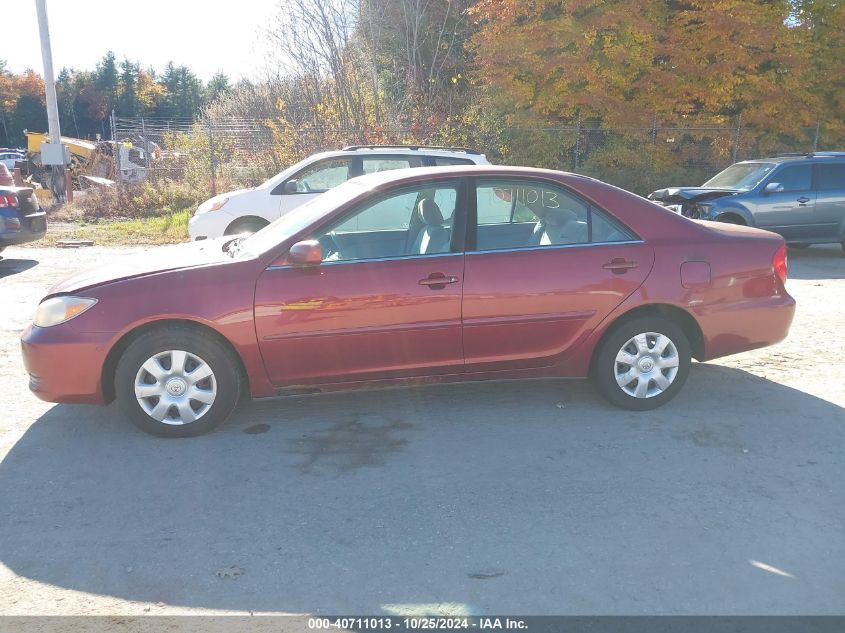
(800,196)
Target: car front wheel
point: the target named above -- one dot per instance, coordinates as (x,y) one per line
(643,363)
(247,225)
(177,382)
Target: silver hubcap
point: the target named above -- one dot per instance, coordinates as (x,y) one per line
(646,365)
(175,387)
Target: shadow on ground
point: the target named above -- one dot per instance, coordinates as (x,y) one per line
(531,497)
(9,267)
(817,262)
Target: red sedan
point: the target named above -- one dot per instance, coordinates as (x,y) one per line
(441,274)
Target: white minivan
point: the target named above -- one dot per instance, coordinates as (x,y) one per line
(248,210)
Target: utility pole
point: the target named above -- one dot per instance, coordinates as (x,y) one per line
(55,155)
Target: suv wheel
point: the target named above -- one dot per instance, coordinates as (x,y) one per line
(246,225)
(643,363)
(177,382)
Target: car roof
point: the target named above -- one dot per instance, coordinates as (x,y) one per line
(797,157)
(424,173)
(357,150)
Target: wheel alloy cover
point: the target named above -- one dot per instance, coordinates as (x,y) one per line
(175,387)
(646,365)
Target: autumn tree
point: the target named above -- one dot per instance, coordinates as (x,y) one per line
(620,61)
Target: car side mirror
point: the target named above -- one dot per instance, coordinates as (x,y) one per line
(773,187)
(305,253)
(290,186)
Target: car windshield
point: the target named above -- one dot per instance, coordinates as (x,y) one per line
(742,176)
(291,223)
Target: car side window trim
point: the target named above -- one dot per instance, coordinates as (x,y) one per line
(364,261)
(549,247)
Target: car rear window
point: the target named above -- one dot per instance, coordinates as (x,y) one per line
(829,177)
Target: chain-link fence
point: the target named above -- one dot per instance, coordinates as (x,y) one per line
(221,155)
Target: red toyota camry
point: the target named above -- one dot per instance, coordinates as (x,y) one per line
(441,274)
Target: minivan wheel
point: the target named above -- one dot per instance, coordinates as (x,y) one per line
(643,363)
(177,382)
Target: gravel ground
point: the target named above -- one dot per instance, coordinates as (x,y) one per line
(531,498)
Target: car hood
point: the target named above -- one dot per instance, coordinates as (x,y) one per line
(680,195)
(154,260)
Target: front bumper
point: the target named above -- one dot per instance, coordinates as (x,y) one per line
(65,366)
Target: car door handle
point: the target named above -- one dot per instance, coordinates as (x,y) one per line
(438,281)
(803,199)
(619,266)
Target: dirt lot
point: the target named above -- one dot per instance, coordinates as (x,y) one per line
(531,498)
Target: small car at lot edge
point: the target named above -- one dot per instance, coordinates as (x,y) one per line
(414,276)
(21,217)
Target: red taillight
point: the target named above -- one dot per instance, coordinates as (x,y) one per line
(8,200)
(779,262)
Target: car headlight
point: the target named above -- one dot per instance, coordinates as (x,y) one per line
(214,206)
(60,309)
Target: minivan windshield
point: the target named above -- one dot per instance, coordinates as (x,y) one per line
(741,176)
(293,222)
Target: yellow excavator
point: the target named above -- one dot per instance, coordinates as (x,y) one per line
(88,158)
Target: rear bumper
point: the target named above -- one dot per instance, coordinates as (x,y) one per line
(63,365)
(33,227)
(745,326)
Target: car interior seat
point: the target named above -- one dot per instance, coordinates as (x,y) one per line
(433,236)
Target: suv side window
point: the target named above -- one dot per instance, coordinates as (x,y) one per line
(794,178)
(830,176)
(523,214)
(440,161)
(374,164)
(322,176)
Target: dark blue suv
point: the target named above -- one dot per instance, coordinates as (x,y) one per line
(800,196)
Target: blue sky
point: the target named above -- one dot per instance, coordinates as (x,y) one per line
(206,36)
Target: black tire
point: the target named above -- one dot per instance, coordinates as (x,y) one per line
(730,218)
(248,225)
(605,364)
(199,346)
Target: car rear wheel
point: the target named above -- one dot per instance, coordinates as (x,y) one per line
(643,363)
(177,382)
(246,225)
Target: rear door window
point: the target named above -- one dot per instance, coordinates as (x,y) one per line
(375,164)
(440,161)
(524,214)
(829,177)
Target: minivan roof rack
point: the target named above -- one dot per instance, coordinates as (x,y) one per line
(808,154)
(466,150)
